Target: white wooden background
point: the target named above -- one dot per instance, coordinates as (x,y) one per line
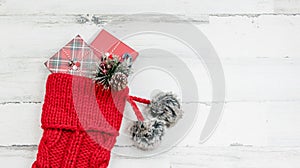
(258,42)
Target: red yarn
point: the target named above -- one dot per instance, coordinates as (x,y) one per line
(81,121)
(141,100)
(135,108)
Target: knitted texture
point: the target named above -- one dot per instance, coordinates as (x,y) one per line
(81,121)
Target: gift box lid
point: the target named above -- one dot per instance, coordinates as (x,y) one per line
(106,42)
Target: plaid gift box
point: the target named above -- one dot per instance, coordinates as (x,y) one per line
(75,58)
(79,58)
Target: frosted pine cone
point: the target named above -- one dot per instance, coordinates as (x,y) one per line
(124,68)
(166,107)
(118,81)
(147,135)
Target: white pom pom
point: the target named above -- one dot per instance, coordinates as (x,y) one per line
(166,107)
(147,134)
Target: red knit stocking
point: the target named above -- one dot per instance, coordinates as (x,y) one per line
(81,121)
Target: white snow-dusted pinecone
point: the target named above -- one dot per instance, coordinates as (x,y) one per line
(118,81)
(147,135)
(166,107)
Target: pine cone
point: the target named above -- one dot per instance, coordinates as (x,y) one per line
(166,107)
(124,68)
(118,81)
(147,135)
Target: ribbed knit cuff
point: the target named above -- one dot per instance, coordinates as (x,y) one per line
(77,103)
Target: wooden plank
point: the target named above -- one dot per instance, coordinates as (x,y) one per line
(234,157)
(245,80)
(116,7)
(17,157)
(258,124)
(246,123)
(185,157)
(20,123)
(287,6)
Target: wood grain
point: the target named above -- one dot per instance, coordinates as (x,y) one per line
(242,43)
(257,42)
(251,157)
(248,123)
(192,7)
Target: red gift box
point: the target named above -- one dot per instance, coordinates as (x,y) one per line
(107,43)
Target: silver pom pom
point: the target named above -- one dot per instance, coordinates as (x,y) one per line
(147,134)
(118,81)
(166,107)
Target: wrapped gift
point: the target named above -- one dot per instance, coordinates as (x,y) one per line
(76,58)
(79,58)
(107,43)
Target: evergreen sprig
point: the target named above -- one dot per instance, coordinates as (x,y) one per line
(109,65)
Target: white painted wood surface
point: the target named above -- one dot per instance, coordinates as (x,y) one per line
(257,41)
(184,157)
